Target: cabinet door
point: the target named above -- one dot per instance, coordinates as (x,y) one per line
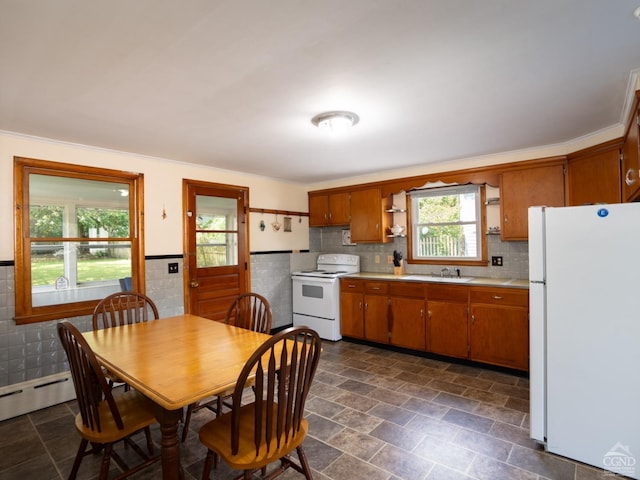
(376,318)
(369,220)
(352,314)
(631,161)
(318,210)
(499,335)
(595,177)
(339,209)
(447,328)
(408,326)
(521,189)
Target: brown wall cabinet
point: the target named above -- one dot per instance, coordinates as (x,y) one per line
(594,176)
(631,160)
(369,219)
(526,187)
(329,209)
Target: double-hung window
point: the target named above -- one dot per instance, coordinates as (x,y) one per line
(78,237)
(446,225)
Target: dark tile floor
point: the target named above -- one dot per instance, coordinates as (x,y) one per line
(374,415)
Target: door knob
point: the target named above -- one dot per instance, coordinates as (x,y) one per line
(194,284)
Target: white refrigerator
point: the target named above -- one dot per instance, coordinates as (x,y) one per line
(584,273)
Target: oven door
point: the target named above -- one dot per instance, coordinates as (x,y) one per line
(316,296)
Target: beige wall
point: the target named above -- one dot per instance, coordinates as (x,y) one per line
(163,188)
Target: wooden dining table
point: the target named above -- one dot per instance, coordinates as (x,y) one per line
(174,362)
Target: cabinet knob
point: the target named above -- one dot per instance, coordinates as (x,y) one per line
(194,284)
(497,297)
(360,306)
(429,314)
(473,319)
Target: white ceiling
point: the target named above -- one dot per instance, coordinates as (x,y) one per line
(234,84)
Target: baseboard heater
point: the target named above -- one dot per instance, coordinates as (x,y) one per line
(32,395)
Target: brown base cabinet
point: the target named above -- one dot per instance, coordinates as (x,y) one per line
(447,309)
(484,324)
(407,318)
(352,311)
(376,318)
(499,328)
(364,310)
(408,327)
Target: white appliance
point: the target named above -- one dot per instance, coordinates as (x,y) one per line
(585,333)
(316,293)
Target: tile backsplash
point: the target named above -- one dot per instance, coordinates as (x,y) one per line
(514,255)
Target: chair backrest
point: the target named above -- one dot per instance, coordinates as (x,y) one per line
(251,311)
(284,367)
(123,308)
(89,382)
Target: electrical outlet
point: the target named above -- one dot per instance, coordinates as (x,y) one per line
(377,259)
(496,261)
(389,259)
(173,267)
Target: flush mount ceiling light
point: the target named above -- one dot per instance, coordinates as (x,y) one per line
(339,120)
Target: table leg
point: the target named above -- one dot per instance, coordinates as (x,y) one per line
(169,445)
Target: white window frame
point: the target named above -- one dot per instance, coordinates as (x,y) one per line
(414,226)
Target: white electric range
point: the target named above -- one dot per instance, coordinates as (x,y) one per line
(316,293)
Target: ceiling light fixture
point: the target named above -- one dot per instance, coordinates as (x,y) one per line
(636,13)
(338,120)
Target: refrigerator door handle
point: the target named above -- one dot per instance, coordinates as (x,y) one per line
(538,282)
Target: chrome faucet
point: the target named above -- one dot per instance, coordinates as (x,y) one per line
(445,272)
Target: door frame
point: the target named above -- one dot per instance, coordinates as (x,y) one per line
(243,226)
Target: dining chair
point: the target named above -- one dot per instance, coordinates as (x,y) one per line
(272,424)
(122,308)
(251,311)
(104,417)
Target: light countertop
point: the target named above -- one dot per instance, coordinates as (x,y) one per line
(473,281)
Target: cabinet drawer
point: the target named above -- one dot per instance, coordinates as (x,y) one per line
(351,285)
(500,296)
(377,288)
(449,293)
(407,289)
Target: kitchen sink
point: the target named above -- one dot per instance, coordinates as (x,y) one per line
(436,278)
